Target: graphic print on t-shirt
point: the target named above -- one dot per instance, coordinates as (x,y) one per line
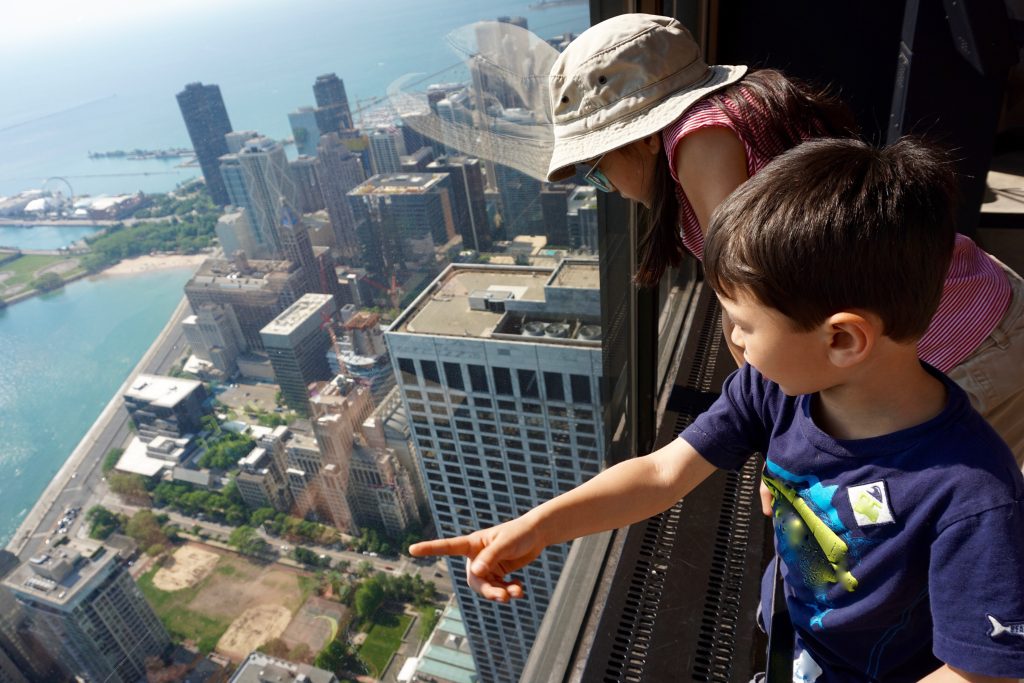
(870,503)
(812,540)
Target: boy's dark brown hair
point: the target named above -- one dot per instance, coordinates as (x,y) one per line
(836,224)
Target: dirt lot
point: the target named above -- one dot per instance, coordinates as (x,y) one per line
(220,597)
(252,628)
(189,565)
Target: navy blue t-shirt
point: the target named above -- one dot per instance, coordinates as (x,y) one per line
(899,552)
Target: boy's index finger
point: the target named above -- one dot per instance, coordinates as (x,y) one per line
(459,545)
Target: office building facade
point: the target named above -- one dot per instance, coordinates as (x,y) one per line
(500,369)
(332,112)
(401,219)
(256,290)
(207,122)
(340,172)
(469,204)
(165,406)
(305,130)
(305,172)
(215,336)
(387,147)
(581,219)
(296,342)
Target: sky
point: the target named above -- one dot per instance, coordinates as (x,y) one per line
(27,23)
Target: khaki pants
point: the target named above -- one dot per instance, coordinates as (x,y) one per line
(993,376)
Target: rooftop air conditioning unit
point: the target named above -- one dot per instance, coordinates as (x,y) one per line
(590,333)
(534,329)
(559,330)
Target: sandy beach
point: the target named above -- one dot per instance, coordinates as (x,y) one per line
(145,264)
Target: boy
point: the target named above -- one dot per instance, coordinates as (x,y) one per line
(899,514)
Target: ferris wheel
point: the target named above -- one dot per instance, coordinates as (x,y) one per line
(60,193)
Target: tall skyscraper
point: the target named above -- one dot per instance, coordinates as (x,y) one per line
(468,201)
(554,204)
(306,174)
(340,172)
(268,184)
(361,353)
(84,608)
(332,112)
(387,147)
(520,202)
(297,343)
(207,122)
(402,219)
(297,247)
(500,370)
(581,218)
(305,130)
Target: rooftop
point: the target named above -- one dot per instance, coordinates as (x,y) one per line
(299,313)
(261,668)
(158,390)
(60,575)
(480,301)
(399,183)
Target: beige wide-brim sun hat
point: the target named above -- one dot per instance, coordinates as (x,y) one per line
(624,79)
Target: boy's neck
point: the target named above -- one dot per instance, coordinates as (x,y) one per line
(890,392)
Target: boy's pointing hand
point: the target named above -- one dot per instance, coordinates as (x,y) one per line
(493,554)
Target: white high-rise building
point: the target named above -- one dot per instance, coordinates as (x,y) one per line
(386,150)
(268,184)
(500,372)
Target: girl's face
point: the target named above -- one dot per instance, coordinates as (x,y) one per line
(631,169)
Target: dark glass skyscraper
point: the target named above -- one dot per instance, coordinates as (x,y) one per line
(332,112)
(207,122)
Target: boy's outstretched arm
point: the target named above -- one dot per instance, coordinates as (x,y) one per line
(949,674)
(621,495)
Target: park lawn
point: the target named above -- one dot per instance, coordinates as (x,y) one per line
(181,622)
(23,268)
(382,640)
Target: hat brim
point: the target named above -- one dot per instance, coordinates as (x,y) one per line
(570,151)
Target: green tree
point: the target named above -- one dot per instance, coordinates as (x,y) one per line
(47,282)
(145,529)
(131,487)
(247,541)
(369,597)
(111,458)
(102,522)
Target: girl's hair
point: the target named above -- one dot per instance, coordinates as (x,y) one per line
(793,110)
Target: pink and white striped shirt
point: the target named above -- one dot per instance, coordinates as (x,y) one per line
(976,293)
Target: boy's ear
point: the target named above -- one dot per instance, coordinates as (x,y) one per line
(851,337)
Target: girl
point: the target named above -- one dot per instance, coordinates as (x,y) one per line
(635,105)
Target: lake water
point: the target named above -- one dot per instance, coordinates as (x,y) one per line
(62,357)
(43,236)
(118,91)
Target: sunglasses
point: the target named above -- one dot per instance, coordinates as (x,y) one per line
(597,178)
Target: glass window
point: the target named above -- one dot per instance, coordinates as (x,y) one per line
(408,368)
(502,381)
(528,384)
(580,388)
(453,375)
(553,386)
(478,379)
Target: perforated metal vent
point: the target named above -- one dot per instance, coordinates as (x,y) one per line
(680,605)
